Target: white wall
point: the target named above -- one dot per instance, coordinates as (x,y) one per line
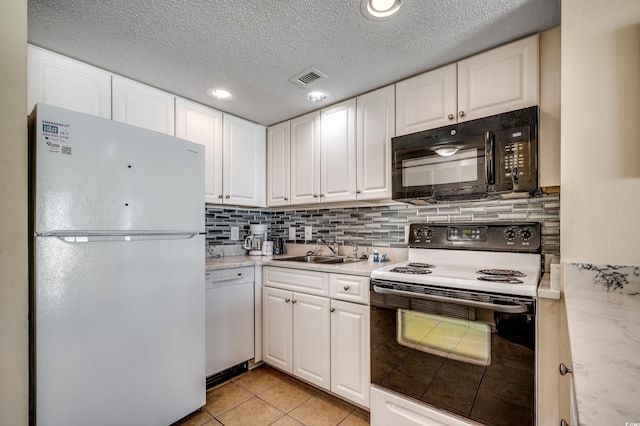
(14,357)
(600,166)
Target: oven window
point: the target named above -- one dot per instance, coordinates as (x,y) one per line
(438,170)
(452,338)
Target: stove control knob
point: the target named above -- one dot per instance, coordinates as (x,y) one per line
(510,233)
(428,233)
(526,234)
(417,233)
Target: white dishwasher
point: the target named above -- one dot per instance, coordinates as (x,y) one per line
(230,323)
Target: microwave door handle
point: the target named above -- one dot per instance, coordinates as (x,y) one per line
(489,145)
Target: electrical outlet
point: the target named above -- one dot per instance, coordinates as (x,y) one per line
(308,233)
(292,233)
(235,233)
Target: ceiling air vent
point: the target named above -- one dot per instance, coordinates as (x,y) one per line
(307,77)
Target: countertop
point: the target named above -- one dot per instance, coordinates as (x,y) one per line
(362,268)
(603,316)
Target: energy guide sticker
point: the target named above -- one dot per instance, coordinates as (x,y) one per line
(55,135)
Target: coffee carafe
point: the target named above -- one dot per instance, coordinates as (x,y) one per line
(256,239)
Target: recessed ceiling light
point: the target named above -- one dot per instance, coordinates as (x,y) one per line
(317,96)
(220,94)
(378,10)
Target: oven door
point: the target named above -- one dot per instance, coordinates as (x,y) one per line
(454,355)
(441,168)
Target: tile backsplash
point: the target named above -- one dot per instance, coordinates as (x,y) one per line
(380,226)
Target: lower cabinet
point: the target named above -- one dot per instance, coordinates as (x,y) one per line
(350,374)
(321,340)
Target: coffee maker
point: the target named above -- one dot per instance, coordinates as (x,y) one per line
(255,241)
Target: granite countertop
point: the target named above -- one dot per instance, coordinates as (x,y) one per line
(603,316)
(362,268)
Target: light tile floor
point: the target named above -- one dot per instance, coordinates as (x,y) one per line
(265,396)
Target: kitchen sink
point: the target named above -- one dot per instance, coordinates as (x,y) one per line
(325,260)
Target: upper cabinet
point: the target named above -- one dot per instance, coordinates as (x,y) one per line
(305,158)
(200,124)
(244,169)
(426,101)
(279,164)
(143,106)
(375,121)
(338,152)
(57,80)
(499,80)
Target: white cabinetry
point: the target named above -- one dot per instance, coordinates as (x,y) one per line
(499,80)
(143,106)
(279,164)
(244,152)
(311,339)
(200,124)
(322,340)
(305,158)
(59,81)
(338,152)
(426,101)
(375,126)
(350,364)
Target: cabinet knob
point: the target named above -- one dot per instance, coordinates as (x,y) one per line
(220,196)
(227,196)
(358,192)
(333,309)
(346,287)
(294,301)
(461,114)
(287,300)
(315,195)
(286,199)
(564,369)
(450,116)
(321,195)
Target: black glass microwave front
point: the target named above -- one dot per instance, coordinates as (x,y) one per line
(496,155)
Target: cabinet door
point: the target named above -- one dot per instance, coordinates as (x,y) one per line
(59,81)
(426,101)
(277,328)
(311,339)
(305,159)
(499,80)
(350,376)
(338,152)
(244,152)
(278,164)
(375,121)
(200,124)
(143,106)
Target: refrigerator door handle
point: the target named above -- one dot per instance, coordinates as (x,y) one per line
(114,238)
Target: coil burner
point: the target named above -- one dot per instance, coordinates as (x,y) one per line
(410,270)
(506,276)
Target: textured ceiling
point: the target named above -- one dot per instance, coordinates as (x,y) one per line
(253,47)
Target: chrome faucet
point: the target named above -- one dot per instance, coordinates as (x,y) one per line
(355,249)
(333,249)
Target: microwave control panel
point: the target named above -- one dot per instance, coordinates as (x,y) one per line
(517,158)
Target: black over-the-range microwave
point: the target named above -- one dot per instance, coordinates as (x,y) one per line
(495,156)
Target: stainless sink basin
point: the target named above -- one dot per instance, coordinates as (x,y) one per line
(325,260)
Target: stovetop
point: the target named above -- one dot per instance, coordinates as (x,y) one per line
(470,257)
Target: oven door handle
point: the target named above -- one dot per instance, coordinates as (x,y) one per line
(509,309)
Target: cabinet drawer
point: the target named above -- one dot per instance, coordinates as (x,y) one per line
(351,288)
(309,282)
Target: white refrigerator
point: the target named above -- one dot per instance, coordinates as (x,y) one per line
(117,273)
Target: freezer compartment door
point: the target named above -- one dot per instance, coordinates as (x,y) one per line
(119,331)
(96,174)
